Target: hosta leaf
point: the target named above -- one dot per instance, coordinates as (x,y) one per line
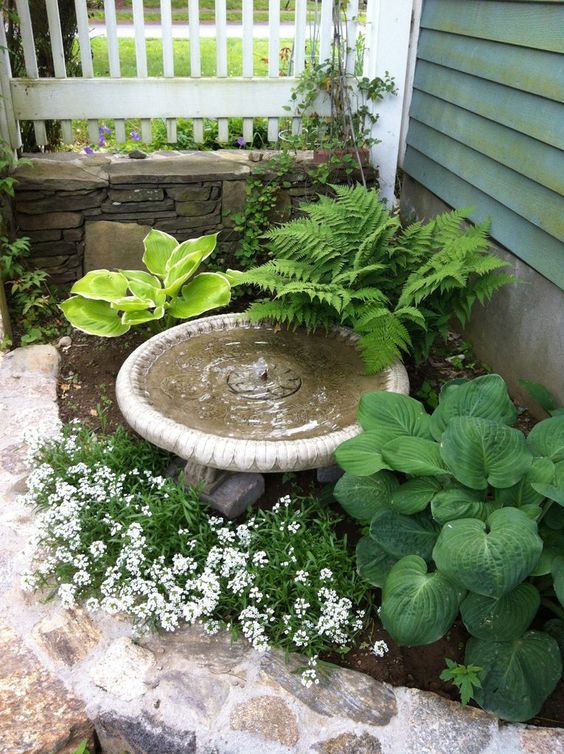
(181,272)
(414,455)
(540,394)
(101,285)
(141,276)
(138,318)
(418,607)
(553,547)
(501,619)
(202,246)
(158,248)
(392,415)
(480,452)
(554,517)
(359,455)
(93,317)
(206,291)
(364,496)
(460,502)
(414,495)
(131,304)
(485,397)
(404,535)
(524,493)
(489,558)
(373,563)
(558,577)
(143,290)
(547,438)
(555,628)
(517,676)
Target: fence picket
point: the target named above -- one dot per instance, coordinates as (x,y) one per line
(168,60)
(30,60)
(115,67)
(141,59)
(195,64)
(58,53)
(325,30)
(221,60)
(248,69)
(273,58)
(85,54)
(12,135)
(351,29)
(299,51)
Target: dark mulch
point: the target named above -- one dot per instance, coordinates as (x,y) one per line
(86,390)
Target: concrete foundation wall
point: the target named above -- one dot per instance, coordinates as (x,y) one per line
(520,333)
(78,210)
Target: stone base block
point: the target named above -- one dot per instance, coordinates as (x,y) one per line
(235,494)
(329,474)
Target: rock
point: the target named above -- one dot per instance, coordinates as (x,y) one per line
(113,207)
(234,196)
(196,167)
(340,693)
(192,193)
(542,741)
(67,636)
(37,714)
(73,234)
(437,726)
(329,474)
(136,195)
(195,208)
(111,245)
(45,235)
(141,735)
(198,226)
(349,743)
(58,203)
(196,703)
(22,361)
(61,175)
(53,249)
(268,717)
(122,669)
(235,494)
(49,220)
(137,154)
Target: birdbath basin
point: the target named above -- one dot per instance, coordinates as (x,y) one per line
(229,395)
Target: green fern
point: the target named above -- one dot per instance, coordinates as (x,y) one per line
(347,261)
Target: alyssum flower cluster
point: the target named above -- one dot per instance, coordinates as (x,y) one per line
(113,532)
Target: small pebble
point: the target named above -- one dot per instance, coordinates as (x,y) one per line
(137,154)
(64,342)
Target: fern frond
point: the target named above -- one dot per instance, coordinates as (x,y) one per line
(385,343)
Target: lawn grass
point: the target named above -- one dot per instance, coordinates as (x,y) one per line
(181,49)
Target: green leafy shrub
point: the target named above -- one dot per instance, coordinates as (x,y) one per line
(114,533)
(473,524)
(348,262)
(109,303)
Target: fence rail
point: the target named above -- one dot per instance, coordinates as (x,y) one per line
(65,98)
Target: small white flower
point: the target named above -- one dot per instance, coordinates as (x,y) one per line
(380,648)
(301,577)
(325,574)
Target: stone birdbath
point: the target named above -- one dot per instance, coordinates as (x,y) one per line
(237,399)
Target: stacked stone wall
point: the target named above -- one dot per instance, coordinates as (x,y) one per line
(77,210)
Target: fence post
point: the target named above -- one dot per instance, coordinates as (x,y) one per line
(9,126)
(388,28)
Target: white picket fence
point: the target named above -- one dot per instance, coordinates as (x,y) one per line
(97,99)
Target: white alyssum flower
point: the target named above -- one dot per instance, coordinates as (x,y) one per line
(380,648)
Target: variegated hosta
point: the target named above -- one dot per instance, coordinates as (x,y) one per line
(107,303)
(472,524)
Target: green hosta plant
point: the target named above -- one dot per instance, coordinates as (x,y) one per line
(464,515)
(107,303)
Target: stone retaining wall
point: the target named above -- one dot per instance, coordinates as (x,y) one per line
(78,210)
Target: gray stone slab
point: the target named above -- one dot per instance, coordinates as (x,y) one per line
(49,220)
(195,208)
(141,735)
(200,166)
(238,492)
(136,195)
(191,193)
(57,203)
(161,205)
(329,474)
(114,245)
(57,174)
(344,693)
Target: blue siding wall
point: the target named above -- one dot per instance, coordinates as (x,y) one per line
(487,120)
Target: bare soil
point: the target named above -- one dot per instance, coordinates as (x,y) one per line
(87,391)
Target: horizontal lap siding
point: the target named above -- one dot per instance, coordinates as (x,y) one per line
(487,120)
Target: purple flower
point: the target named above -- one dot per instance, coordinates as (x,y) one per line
(103,130)
(101,141)
(88,150)
(241,142)
(135,136)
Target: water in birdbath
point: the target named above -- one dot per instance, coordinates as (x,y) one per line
(259,383)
